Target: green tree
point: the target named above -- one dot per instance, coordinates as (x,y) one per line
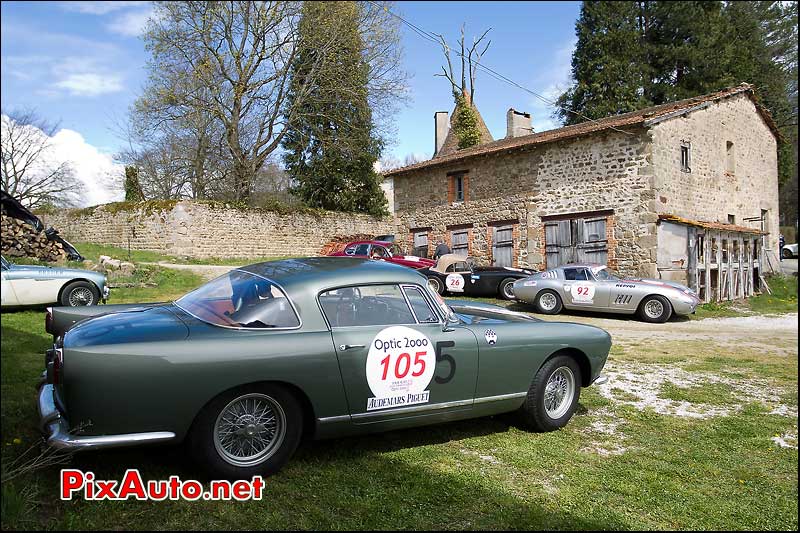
(331,147)
(607,63)
(632,55)
(133,189)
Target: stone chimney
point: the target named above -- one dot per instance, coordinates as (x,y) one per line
(518,123)
(441,121)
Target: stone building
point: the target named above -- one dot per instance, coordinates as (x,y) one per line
(685,191)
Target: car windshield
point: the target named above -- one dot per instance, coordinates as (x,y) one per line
(604,274)
(240,300)
(395,250)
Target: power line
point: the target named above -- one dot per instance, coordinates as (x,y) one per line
(434,38)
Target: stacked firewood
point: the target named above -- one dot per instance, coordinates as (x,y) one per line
(338,243)
(20,239)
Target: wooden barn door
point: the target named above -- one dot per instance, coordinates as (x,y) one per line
(576,240)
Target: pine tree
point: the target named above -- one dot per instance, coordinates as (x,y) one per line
(632,55)
(606,64)
(331,146)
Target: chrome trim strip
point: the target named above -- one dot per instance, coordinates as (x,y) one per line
(333,419)
(501,397)
(57,434)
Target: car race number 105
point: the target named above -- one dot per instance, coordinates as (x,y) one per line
(400,365)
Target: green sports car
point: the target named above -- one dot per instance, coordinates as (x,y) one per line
(249,363)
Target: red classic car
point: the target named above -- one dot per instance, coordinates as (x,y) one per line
(383,251)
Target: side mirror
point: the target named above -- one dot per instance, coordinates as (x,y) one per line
(450,318)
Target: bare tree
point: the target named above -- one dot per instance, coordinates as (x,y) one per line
(231,60)
(387,81)
(30,171)
(470,59)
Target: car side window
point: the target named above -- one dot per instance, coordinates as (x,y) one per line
(362,249)
(366,305)
(461,267)
(575,274)
(422,309)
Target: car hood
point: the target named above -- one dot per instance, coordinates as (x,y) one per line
(45,272)
(475,312)
(510,270)
(658,282)
(154,324)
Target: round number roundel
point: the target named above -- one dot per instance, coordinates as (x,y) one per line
(400,365)
(455,283)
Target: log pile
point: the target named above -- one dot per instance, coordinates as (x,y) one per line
(338,243)
(20,239)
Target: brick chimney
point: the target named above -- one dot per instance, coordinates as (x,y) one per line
(518,123)
(441,121)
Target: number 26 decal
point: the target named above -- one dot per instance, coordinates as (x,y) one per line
(441,356)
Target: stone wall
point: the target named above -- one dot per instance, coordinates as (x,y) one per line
(199,230)
(608,170)
(715,188)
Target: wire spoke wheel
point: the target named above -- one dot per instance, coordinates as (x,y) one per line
(559,392)
(249,430)
(81,296)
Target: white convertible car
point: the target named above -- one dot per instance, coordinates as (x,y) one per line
(38,285)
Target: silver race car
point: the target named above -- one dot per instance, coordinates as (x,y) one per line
(596,288)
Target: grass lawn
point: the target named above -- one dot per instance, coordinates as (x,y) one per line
(680,438)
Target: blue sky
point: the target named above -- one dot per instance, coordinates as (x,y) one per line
(82,63)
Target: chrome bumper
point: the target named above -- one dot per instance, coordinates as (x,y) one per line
(56,430)
(601,379)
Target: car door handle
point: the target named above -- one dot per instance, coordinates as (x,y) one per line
(344,347)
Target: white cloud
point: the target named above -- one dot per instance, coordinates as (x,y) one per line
(131,24)
(95,169)
(554,78)
(90,84)
(98,7)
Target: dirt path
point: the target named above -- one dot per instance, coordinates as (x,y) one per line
(207,271)
(778,333)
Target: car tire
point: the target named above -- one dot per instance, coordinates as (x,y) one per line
(506,289)
(553,395)
(548,302)
(219,455)
(436,284)
(786,253)
(655,309)
(79,293)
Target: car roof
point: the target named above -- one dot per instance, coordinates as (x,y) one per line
(581,265)
(319,273)
(382,243)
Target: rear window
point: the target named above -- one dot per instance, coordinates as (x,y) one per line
(241,300)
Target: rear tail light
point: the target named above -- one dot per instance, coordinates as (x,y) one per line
(48,320)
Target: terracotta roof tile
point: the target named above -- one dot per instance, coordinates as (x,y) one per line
(711,225)
(622,121)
